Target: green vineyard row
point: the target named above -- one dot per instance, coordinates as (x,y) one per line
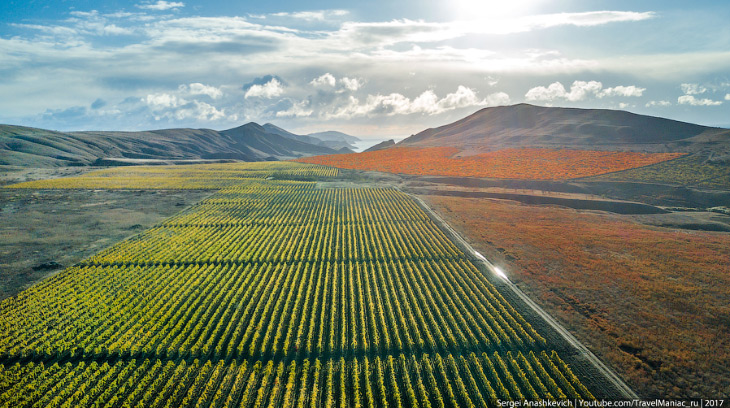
(190,177)
(473,380)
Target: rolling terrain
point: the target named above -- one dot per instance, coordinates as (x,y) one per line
(30,147)
(524,125)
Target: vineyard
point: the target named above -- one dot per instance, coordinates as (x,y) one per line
(274,293)
(525,163)
(190,177)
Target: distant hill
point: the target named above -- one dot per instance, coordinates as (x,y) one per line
(526,125)
(333,140)
(382,145)
(31,147)
(335,136)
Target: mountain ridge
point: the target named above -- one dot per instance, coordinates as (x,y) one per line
(35,147)
(525,125)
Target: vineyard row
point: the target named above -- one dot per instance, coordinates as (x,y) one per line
(473,380)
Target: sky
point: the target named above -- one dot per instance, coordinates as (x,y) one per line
(372,69)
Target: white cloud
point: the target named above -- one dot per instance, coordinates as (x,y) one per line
(553,91)
(585,19)
(320,15)
(693,89)
(161,5)
(627,91)
(727,97)
(691,100)
(168,106)
(299,109)
(325,79)
(204,111)
(658,103)
(329,80)
(351,84)
(269,90)
(163,100)
(426,103)
(580,91)
(405,30)
(197,88)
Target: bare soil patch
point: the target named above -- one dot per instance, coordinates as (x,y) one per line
(45,231)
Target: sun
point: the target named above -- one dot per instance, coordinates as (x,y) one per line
(490,9)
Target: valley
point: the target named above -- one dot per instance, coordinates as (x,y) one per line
(332,280)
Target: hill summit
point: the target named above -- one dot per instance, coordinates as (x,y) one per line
(31,147)
(525,125)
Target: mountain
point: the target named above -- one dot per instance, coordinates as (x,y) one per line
(336,140)
(31,147)
(271,128)
(382,145)
(335,136)
(526,125)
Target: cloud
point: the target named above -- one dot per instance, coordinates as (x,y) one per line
(98,103)
(627,91)
(161,5)
(325,79)
(580,91)
(299,109)
(405,30)
(319,15)
(163,100)
(351,84)
(727,97)
(693,89)
(586,19)
(197,88)
(263,80)
(269,90)
(174,107)
(691,100)
(658,103)
(329,80)
(71,113)
(426,103)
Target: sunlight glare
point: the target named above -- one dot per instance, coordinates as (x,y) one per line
(500,273)
(490,9)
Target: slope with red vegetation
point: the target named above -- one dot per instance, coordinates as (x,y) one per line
(525,163)
(654,303)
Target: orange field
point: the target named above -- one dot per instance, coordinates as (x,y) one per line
(654,303)
(528,163)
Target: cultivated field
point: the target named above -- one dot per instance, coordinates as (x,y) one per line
(192,177)
(273,292)
(524,163)
(653,302)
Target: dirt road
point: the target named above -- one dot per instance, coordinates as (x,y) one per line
(608,373)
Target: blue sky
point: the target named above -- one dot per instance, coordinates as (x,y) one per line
(377,68)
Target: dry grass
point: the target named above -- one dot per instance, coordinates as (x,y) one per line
(653,302)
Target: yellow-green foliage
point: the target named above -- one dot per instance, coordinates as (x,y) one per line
(221,303)
(187,177)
